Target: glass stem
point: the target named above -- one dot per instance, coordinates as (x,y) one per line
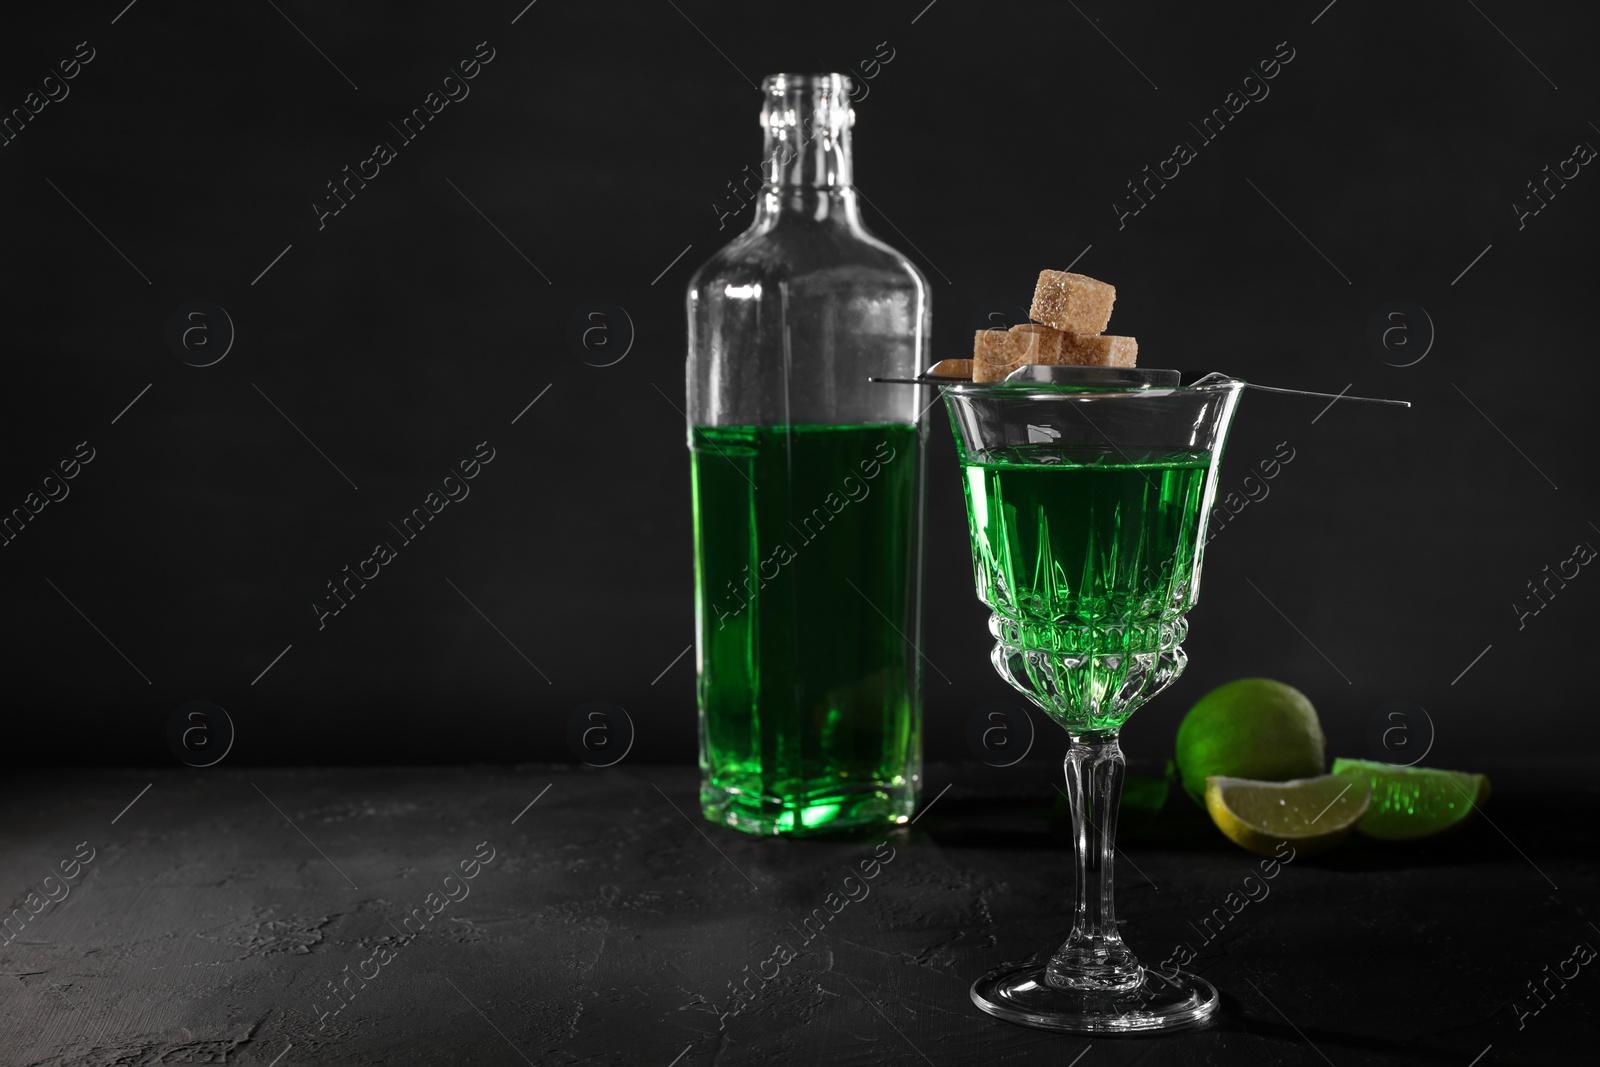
(1093,957)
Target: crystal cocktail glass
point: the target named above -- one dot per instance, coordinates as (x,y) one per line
(1087,493)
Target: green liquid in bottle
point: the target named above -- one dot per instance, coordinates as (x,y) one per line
(1088,559)
(806,607)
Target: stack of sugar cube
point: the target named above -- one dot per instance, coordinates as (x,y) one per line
(1069,312)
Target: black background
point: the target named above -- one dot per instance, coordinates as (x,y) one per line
(600,142)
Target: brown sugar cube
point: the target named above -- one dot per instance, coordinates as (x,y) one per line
(996,353)
(950,368)
(1045,343)
(1102,350)
(1072,303)
(1056,347)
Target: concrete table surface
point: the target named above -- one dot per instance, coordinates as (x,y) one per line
(552,915)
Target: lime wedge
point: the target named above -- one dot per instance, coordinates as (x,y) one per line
(1311,815)
(1412,802)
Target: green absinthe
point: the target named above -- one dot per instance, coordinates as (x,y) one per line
(1088,559)
(806,607)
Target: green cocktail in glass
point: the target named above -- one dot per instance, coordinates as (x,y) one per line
(1087,492)
(1077,551)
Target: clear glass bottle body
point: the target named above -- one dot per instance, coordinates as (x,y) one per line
(807,493)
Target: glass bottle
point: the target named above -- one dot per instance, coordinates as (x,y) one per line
(807,483)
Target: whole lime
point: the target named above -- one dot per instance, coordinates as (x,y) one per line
(1254,728)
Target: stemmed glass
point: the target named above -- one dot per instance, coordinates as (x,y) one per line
(1087,492)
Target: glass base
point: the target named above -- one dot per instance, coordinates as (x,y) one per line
(1024,997)
(818,812)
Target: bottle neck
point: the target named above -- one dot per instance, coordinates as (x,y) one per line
(806,161)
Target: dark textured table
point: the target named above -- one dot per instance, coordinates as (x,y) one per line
(327,916)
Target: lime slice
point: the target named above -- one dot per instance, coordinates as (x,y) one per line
(1249,728)
(1412,802)
(1311,815)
